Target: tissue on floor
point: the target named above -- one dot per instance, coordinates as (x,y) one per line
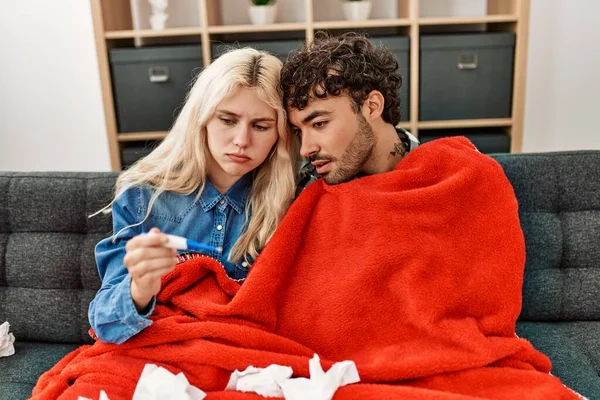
(7,341)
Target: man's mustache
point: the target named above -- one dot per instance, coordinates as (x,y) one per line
(320,157)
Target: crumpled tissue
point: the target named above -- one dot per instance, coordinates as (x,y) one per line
(103,396)
(275,381)
(7,341)
(263,381)
(158,383)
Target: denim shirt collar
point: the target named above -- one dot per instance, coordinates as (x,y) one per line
(236,196)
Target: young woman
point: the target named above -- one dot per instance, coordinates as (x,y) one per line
(224,176)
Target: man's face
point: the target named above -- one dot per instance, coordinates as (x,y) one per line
(336,140)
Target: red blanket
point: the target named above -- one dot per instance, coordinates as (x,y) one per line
(414,274)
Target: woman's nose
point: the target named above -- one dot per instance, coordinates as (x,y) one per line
(242,136)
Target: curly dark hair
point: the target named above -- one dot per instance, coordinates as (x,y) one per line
(334,65)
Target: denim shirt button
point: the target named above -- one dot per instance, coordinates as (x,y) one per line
(219,227)
(245,264)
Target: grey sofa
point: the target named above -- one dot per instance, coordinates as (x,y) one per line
(48,274)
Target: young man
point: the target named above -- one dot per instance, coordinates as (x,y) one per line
(437,314)
(342,100)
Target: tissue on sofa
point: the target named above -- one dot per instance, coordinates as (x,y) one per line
(7,341)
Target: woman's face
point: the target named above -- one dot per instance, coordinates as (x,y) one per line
(241,134)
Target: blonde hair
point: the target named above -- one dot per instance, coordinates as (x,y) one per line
(179,163)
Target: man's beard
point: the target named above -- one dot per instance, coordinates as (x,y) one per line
(354,157)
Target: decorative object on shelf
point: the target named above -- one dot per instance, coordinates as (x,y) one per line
(262,12)
(159,16)
(356,10)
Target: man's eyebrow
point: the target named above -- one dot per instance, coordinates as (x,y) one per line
(232,114)
(315,114)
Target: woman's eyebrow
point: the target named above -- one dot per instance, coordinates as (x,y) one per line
(267,119)
(227,112)
(232,114)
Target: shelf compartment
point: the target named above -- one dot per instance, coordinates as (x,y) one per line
(291,15)
(132,151)
(487,140)
(467,12)
(332,11)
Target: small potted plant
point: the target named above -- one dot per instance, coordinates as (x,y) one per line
(262,12)
(355,10)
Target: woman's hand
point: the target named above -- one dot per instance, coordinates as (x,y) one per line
(147,259)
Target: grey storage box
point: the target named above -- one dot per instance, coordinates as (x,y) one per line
(466,76)
(150,84)
(487,143)
(279,48)
(400,46)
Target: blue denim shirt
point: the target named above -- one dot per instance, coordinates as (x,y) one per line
(215,219)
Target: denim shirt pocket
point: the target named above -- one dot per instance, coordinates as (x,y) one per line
(172,207)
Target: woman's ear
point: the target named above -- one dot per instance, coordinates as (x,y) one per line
(373,106)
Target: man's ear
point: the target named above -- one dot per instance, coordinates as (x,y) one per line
(373,106)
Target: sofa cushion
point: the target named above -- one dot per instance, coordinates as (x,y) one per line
(48,272)
(17,391)
(559,207)
(21,371)
(574,350)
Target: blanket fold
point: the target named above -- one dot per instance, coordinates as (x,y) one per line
(415,275)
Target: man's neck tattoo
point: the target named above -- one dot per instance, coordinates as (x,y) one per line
(401,147)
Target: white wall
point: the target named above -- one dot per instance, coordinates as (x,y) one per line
(563,83)
(51,114)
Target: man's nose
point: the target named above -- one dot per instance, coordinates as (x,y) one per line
(308,147)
